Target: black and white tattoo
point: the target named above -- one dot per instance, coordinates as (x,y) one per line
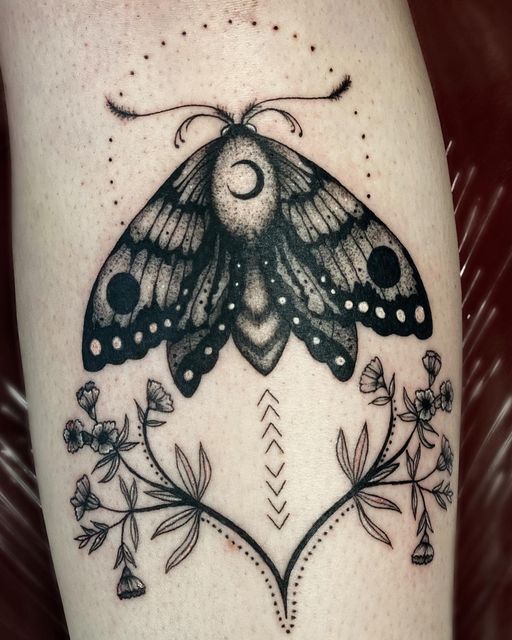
(249,238)
(416,459)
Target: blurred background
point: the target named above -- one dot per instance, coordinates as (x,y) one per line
(467,46)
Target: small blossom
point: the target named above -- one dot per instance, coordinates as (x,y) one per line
(425,404)
(73,435)
(158,398)
(372,377)
(87,396)
(446,395)
(432,363)
(424,552)
(84,500)
(104,437)
(130,586)
(445,460)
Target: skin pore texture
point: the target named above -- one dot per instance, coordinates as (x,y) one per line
(238,304)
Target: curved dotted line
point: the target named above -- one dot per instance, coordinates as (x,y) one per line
(391,433)
(157,473)
(287,626)
(321,537)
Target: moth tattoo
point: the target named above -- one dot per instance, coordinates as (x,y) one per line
(250,239)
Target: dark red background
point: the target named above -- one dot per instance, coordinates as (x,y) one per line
(468,50)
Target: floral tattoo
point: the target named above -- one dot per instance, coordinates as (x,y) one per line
(421,462)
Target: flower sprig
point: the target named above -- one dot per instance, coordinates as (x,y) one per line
(105,440)
(427,402)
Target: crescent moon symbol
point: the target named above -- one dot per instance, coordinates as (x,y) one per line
(260,181)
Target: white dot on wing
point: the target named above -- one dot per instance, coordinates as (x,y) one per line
(95,347)
(116,342)
(380,313)
(188,375)
(419,314)
(363,307)
(400,315)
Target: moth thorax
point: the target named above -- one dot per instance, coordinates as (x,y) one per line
(244,188)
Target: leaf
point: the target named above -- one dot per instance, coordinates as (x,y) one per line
(343,457)
(428,427)
(381,401)
(154,423)
(378,502)
(385,472)
(125,492)
(205,471)
(440,501)
(128,555)
(414,500)
(98,540)
(140,413)
(408,403)
(176,521)
(164,495)
(391,389)
(100,526)
(104,460)
(417,457)
(126,446)
(119,556)
(423,438)
(371,527)
(133,493)
(185,548)
(424,523)
(361,453)
(408,417)
(124,432)
(186,474)
(134,531)
(410,465)
(112,471)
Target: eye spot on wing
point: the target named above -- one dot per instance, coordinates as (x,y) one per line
(137,338)
(380,313)
(349,305)
(208,351)
(153,327)
(363,307)
(188,375)
(340,361)
(400,315)
(117,343)
(167,323)
(384,267)
(123,292)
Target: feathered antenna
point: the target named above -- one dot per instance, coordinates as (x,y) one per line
(335,94)
(206,111)
(342,88)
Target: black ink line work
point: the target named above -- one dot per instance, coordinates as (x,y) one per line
(273,447)
(250,239)
(419,461)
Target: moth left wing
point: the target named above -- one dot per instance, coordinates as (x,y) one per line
(352,255)
(142,292)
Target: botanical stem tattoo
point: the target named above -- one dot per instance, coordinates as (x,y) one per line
(419,461)
(250,239)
